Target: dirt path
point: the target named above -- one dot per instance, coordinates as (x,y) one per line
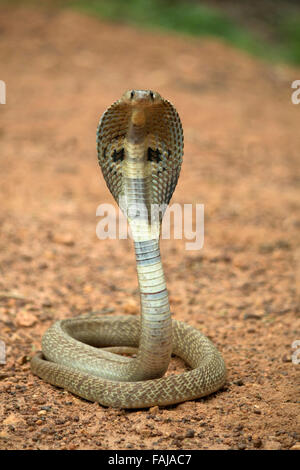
(241,155)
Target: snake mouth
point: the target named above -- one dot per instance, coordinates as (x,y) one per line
(141,98)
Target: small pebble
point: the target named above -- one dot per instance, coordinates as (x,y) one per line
(257,443)
(241,446)
(295,446)
(238,382)
(272,445)
(154,410)
(25,319)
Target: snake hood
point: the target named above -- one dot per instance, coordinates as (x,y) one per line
(140,137)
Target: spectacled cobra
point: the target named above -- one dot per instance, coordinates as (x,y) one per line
(140,148)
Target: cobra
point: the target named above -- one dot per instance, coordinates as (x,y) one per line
(140,148)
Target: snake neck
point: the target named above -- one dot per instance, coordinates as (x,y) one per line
(156,327)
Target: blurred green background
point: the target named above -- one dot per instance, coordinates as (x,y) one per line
(266,28)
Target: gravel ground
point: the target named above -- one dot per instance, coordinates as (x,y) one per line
(241,161)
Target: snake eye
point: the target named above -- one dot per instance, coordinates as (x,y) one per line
(132,94)
(152,95)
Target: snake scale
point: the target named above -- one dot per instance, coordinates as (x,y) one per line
(140,148)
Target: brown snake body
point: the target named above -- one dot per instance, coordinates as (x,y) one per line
(140,147)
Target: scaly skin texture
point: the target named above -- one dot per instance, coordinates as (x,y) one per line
(140,147)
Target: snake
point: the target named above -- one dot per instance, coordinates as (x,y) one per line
(121,361)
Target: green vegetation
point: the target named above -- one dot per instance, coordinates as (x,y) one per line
(178,16)
(289,30)
(194,18)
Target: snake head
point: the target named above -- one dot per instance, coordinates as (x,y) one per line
(141,98)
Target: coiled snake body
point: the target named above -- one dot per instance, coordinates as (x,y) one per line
(140,147)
